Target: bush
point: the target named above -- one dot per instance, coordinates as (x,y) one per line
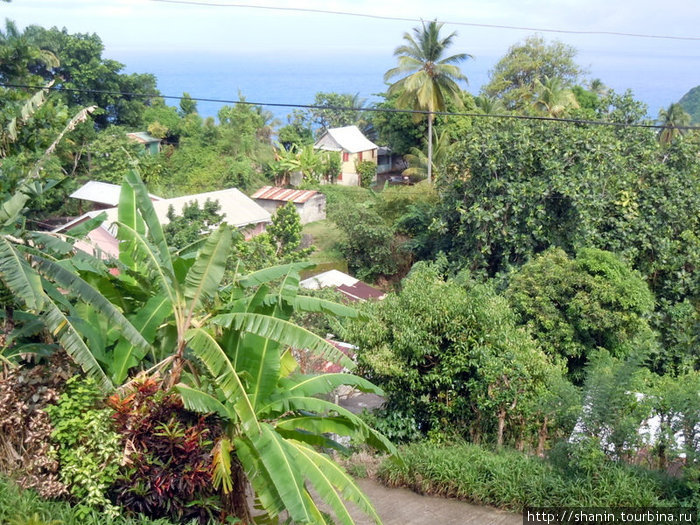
(453,361)
(512,480)
(89,450)
(169,456)
(26,453)
(25,507)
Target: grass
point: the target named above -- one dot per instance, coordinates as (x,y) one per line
(512,480)
(326,236)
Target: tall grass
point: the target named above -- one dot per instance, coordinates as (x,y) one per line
(512,480)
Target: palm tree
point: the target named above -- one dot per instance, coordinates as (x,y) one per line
(418,162)
(672,119)
(430,79)
(552,98)
(489,105)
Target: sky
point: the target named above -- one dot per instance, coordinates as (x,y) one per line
(128,27)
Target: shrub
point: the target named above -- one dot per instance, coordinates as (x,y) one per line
(169,456)
(512,480)
(367,171)
(25,507)
(88,447)
(26,452)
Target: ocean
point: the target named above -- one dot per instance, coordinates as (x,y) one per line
(295,79)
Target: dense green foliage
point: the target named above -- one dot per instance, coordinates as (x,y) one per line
(367,171)
(452,359)
(514,77)
(89,450)
(511,480)
(20,506)
(575,306)
(690,102)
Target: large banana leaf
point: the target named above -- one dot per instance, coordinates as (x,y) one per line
(162,276)
(313,304)
(86,293)
(203,278)
(66,332)
(207,349)
(259,359)
(313,385)
(328,479)
(283,332)
(272,273)
(198,401)
(277,456)
(20,278)
(265,489)
(285,403)
(145,207)
(146,321)
(10,208)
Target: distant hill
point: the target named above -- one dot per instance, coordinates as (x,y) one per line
(691,104)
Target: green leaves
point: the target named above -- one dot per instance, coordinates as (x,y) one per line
(19,277)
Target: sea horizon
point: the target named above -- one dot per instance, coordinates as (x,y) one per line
(296,78)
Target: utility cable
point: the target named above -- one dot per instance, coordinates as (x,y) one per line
(404,19)
(123,94)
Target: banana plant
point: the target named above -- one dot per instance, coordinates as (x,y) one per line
(277,417)
(242,335)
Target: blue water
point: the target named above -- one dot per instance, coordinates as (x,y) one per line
(296,79)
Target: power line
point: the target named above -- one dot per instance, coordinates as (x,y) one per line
(404,19)
(124,94)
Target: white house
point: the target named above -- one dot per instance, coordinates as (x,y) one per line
(353,146)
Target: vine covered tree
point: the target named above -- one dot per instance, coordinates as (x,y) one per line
(429,78)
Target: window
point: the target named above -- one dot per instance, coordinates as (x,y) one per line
(346,156)
(359,156)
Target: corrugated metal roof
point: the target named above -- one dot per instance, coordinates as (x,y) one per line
(102,193)
(348,138)
(274,193)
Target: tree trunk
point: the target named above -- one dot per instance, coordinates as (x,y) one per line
(542,438)
(501,426)
(430,148)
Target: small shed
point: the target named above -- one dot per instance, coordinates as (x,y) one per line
(353,289)
(310,204)
(353,147)
(150,143)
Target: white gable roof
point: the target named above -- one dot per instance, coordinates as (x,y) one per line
(237,208)
(331,278)
(101,192)
(348,138)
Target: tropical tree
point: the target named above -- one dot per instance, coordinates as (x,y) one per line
(673,120)
(418,161)
(513,78)
(430,78)
(552,98)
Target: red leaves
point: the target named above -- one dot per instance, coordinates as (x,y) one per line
(169,457)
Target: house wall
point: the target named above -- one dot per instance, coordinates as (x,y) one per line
(349,174)
(251,232)
(312,210)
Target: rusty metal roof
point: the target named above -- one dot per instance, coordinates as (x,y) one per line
(283,194)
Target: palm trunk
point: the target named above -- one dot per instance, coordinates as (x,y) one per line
(430,147)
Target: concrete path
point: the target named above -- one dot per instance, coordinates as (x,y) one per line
(405,507)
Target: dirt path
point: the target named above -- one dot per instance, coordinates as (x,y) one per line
(404,507)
